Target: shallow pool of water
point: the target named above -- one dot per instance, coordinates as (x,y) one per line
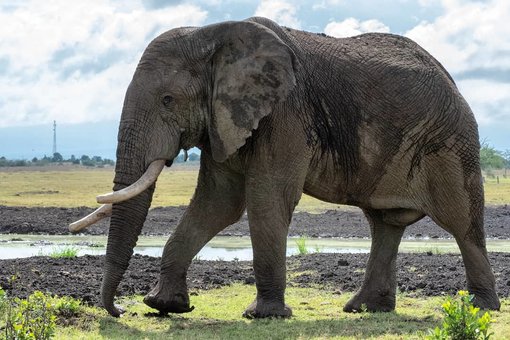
(220,248)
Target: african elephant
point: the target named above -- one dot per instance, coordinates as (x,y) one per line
(371,121)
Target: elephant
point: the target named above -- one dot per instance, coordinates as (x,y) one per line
(372,121)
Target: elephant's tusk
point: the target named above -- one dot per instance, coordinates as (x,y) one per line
(102,212)
(147,179)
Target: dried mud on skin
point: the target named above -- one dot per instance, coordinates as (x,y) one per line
(418,274)
(162,221)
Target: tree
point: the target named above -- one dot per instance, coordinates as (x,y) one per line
(57,157)
(193,157)
(506,156)
(34,160)
(490,158)
(74,160)
(97,159)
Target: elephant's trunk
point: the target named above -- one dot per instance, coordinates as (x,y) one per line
(128,216)
(125,227)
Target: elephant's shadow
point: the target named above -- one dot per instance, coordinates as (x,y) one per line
(364,325)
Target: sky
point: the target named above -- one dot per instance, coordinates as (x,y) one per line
(71,61)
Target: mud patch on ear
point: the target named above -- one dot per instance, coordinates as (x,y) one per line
(253,72)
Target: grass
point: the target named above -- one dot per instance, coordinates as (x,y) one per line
(317,314)
(301,245)
(66,252)
(79,187)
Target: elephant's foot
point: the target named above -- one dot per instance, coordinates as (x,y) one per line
(373,301)
(260,309)
(486,299)
(168,302)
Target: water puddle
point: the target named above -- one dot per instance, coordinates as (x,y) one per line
(220,248)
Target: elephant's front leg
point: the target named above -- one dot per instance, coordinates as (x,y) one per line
(270,203)
(219,201)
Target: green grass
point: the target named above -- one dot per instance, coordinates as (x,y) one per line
(317,314)
(301,245)
(79,187)
(66,252)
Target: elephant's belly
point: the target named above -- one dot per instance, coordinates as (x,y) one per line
(385,193)
(326,187)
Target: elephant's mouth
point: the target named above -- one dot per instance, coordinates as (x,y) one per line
(105,210)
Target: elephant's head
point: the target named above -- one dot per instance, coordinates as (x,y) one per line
(206,87)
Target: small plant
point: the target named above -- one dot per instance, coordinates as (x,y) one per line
(301,245)
(31,318)
(3,301)
(462,321)
(34,317)
(64,253)
(66,306)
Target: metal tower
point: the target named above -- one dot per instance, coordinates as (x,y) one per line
(54,137)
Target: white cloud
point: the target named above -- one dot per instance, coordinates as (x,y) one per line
(281,11)
(351,26)
(471,39)
(72,61)
(470,35)
(489,101)
(324,4)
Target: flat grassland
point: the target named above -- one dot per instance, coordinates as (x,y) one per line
(77,186)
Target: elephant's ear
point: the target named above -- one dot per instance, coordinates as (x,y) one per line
(253,70)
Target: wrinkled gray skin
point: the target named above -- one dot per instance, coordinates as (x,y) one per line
(372,121)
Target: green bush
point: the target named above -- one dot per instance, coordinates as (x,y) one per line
(462,320)
(31,318)
(67,306)
(34,317)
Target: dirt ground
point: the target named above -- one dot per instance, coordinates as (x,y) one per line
(419,274)
(162,221)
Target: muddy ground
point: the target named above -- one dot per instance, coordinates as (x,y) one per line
(419,274)
(162,221)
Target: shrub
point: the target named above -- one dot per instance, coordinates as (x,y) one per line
(67,306)
(34,317)
(31,318)
(462,320)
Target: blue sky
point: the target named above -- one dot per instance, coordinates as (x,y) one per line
(71,61)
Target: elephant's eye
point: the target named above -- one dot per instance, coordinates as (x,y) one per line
(167,100)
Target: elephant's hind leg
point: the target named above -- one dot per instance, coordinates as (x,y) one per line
(379,287)
(461,214)
(219,201)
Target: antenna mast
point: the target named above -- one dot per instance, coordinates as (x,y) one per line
(54,137)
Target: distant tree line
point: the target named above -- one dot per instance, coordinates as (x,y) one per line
(85,160)
(94,161)
(490,159)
